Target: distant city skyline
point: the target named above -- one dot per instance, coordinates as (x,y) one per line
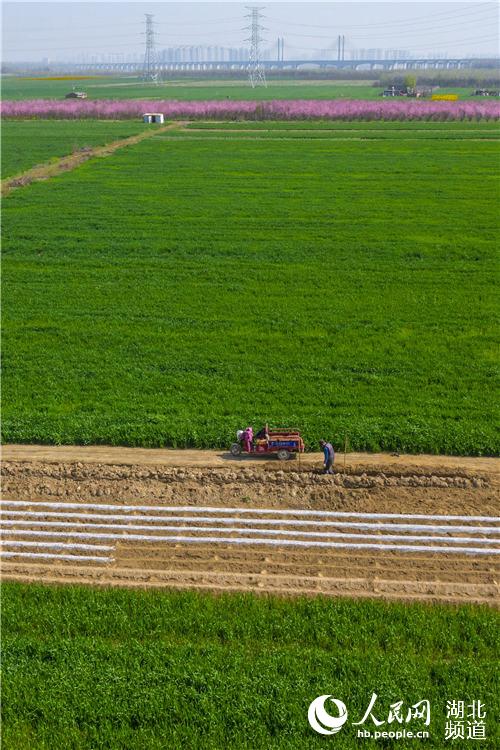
(187,32)
(216,53)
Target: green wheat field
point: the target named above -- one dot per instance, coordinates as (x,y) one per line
(150,670)
(338,278)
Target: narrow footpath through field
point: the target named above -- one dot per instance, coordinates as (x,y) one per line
(405,527)
(67,163)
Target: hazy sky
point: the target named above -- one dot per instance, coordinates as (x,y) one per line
(64,30)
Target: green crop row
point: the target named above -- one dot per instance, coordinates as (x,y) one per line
(157,669)
(300,135)
(408,128)
(183,289)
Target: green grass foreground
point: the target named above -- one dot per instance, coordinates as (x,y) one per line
(86,668)
(186,287)
(26,143)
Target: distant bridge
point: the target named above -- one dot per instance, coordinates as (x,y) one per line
(283,65)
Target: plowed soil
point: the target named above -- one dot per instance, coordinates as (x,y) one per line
(379,484)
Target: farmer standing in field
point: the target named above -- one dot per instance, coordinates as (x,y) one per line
(329,456)
(247,439)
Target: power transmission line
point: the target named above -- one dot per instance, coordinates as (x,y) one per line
(123,25)
(392,33)
(200,23)
(62,31)
(414,50)
(407,27)
(408,21)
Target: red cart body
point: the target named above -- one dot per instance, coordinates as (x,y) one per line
(285,443)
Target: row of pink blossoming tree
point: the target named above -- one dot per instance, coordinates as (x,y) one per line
(300,109)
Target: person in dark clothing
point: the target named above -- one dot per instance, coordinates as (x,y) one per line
(263,434)
(329,456)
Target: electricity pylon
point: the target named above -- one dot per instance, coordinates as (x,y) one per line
(150,72)
(256,73)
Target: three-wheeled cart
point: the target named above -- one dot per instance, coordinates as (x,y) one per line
(284,443)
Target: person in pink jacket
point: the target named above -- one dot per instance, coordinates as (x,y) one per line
(247,439)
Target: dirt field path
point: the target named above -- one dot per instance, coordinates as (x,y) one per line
(67,163)
(210,459)
(387,526)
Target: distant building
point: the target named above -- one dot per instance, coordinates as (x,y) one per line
(395,91)
(485,92)
(418,92)
(76,95)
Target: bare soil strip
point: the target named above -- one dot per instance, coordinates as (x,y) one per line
(260,583)
(67,163)
(201,519)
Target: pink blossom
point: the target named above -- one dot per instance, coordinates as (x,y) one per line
(296,109)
